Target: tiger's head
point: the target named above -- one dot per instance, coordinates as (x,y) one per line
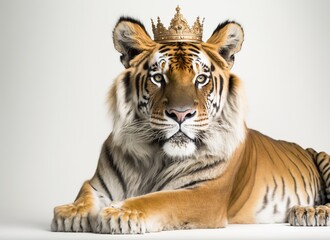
(178,97)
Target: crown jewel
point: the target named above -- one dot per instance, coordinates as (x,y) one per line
(178,31)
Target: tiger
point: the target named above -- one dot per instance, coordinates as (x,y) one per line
(180,154)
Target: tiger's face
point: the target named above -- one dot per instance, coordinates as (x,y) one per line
(179,89)
(179,96)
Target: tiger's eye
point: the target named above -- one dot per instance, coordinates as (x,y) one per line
(201,78)
(158,77)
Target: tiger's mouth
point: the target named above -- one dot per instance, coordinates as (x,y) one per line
(179,139)
(179,145)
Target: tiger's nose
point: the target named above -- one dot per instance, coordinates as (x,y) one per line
(180,115)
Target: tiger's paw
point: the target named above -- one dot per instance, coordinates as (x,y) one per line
(71,218)
(310,216)
(116,220)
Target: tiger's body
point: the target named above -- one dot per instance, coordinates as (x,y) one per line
(180,155)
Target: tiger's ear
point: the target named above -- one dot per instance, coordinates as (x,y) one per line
(227,38)
(131,39)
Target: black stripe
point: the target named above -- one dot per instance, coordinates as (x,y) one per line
(251,155)
(325,168)
(164,50)
(93,187)
(231,84)
(319,163)
(192,55)
(275,188)
(114,167)
(189,185)
(194,50)
(326,175)
(145,84)
(275,209)
(221,85)
(313,192)
(265,201)
(104,186)
(212,67)
(162,47)
(137,85)
(214,83)
(288,203)
(305,186)
(295,187)
(283,188)
(89,221)
(146,65)
(308,199)
(207,167)
(128,87)
(194,46)
(266,149)
(119,224)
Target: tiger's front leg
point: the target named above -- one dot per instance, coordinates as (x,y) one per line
(166,210)
(81,215)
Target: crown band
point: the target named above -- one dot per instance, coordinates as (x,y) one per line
(178,31)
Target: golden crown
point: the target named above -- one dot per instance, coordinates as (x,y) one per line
(178,31)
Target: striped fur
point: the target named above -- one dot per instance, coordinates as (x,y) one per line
(180,155)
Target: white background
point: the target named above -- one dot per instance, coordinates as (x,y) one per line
(57,62)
